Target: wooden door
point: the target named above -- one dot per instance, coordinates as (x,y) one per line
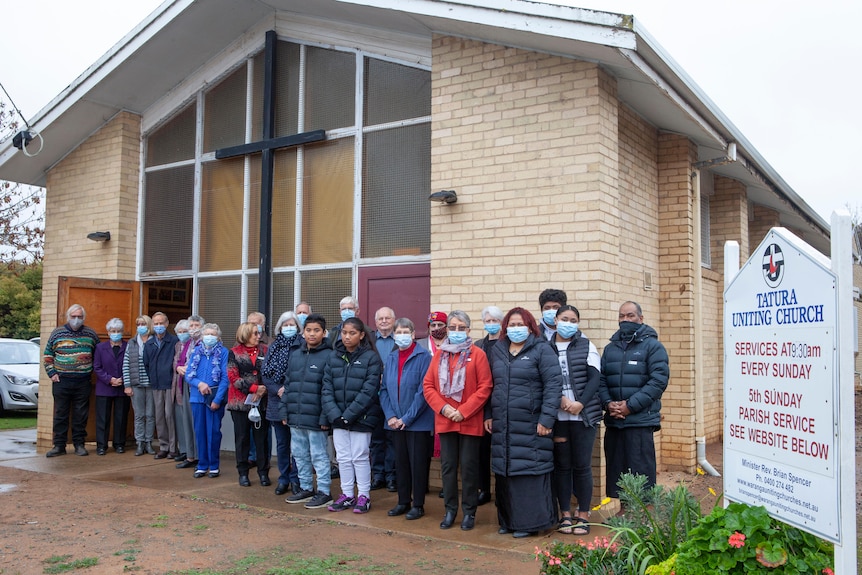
(404,288)
(102,300)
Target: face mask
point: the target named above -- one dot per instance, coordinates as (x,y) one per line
(439,333)
(629,327)
(210,340)
(517,334)
(184,336)
(492,328)
(76,322)
(160,329)
(143,330)
(115,336)
(549,316)
(260,329)
(346,314)
(457,337)
(195,333)
(301,317)
(567,329)
(289,331)
(403,340)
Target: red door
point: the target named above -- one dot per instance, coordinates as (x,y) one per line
(404,288)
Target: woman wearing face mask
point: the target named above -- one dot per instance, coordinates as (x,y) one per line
(492,316)
(575,429)
(137,386)
(457,386)
(287,340)
(524,404)
(407,415)
(189,334)
(112,405)
(206,375)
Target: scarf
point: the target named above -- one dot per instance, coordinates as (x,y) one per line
(455,387)
(216,363)
(275,365)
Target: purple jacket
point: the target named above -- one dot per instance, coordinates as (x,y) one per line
(107,366)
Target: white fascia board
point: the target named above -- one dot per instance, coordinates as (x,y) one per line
(605,28)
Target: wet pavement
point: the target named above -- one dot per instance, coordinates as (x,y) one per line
(18,450)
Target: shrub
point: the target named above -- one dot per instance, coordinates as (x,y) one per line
(599,557)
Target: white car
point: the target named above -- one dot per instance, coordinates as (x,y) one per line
(19,375)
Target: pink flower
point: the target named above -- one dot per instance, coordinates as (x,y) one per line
(736,540)
(828,571)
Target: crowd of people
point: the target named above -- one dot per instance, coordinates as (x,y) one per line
(371,406)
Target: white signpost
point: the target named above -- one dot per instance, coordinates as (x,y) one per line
(782,422)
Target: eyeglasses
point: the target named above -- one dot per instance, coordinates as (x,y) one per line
(77,317)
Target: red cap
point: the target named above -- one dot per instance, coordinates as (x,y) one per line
(437,316)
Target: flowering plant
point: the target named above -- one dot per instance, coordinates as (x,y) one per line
(601,556)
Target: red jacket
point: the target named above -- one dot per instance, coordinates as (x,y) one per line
(477,390)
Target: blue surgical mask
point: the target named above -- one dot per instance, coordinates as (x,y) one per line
(346,314)
(549,316)
(457,337)
(210,340)
(567,329)
(289,331)
(403,340)
(160,329)
(115,336)
(492,328)
(260,329)
(517,334)
(143,330)
(301,317)
(184,336)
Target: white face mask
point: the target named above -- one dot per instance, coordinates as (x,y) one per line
(76,322)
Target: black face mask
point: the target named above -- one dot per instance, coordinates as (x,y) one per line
(440,333)
(629,328)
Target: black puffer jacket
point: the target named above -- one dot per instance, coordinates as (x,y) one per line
(300,403)
(351,387)
(583,378)
(637,371)
(527,391)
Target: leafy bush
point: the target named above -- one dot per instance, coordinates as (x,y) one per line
(599,557)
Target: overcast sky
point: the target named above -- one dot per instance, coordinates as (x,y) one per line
(785,73)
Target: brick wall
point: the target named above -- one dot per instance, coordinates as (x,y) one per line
(763,220)
(94,188)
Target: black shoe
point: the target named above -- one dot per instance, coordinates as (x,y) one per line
(415,513)
(161,455)
(522,534)
(264,479)
(397,510)
(56,451)
(468,522)
(281,488)
(186,464)
(214,473)
(243,481)
(199,473)
(140,450)
(295,488)
(81,450)
(484,497)
(101,451)
(180,457)
(440,495)
(148,447)
(391,486)
(448,520)
(120,448)
(378,484)
(503,531)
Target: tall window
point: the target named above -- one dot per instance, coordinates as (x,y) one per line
(358,198)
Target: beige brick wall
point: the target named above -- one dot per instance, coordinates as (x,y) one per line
(677,263)
(95,188)
(763,220)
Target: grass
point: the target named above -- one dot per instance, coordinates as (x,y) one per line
(64,563)
(275,562)
(18,420)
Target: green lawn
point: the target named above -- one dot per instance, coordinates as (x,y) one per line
(18,420)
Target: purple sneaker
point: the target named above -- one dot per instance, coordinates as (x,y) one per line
(363,504)
(343,502)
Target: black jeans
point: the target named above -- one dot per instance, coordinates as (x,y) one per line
(460,449)
(112,412)
(573,464)
(413,450)
(71,400)
(244,432)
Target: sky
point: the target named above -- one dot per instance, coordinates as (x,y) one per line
(785,73)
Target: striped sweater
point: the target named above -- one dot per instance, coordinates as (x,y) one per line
(70,352)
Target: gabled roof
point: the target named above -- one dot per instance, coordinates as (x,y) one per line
(181,36)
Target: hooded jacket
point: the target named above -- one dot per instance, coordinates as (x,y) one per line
(635,368)
(351,387)
(300,402)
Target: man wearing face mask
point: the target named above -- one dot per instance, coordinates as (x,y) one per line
(68,361)
(550,300)
(634,376)
(159,363)
(302,311)
(259,320)
(348,308)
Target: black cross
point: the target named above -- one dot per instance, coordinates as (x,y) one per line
(267,147)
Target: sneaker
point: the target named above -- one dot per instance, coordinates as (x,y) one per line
(363,505)
(343,502)
(301,496)
(319,500)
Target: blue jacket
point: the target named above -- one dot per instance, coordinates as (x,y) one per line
(204,374)
(159,361)
(408,404)
(637,371)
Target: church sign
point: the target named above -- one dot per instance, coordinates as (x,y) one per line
(780,382)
